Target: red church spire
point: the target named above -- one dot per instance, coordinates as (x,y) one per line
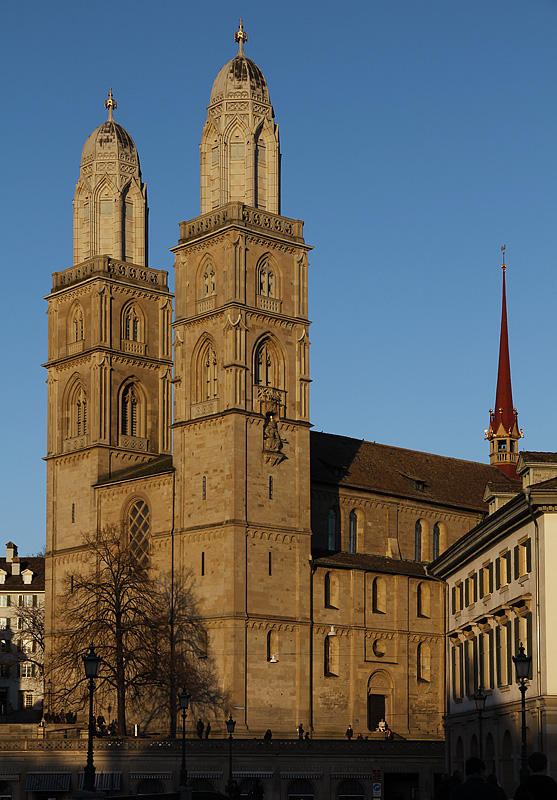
(503,433)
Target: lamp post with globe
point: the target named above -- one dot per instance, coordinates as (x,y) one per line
(522,664)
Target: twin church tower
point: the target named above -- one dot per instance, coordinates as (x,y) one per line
(232,502)
(194,436)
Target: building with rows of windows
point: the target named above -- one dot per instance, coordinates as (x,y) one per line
(21,636)
(309,550)
(501,593)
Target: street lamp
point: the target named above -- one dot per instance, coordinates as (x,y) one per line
(230,725)
(91,664)
(522,666)
(479,699)
(184,700)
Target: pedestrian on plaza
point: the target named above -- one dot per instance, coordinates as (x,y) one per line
(268,735)
(349,732)
(300,731)
(492,779)
(475,787)
(207,730)
(200,728)
(538,785)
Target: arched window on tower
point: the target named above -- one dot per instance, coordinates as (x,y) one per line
(418,541)
(77,329)
(132,324)
(78,423)
(138,531)
(267,280)
(207,384)
(132,412)
(352,532)
(209,280)
(266,365)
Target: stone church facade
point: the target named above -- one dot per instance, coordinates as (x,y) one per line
(308,549)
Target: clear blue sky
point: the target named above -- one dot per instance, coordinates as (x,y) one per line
(417,138)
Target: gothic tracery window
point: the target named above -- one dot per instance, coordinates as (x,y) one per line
(77,325)
(78,412)
(266,367)
(209,281)
(267,280)
(130,411)
(132,327)
(210,386)
(138,531)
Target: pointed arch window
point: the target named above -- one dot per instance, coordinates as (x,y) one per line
(352,532)
(132,324)
(139,525)
(130,419)
(209,280)
(267,283)
(77,329)
(78,422)
(266,365)
(207,373)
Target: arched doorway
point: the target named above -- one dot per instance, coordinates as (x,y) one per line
(473,747)
(379,699)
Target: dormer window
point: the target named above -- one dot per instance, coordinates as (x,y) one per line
(3,574)
(27,576)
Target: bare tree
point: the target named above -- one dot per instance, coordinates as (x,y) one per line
(178,651)
(105,603)
(146,632)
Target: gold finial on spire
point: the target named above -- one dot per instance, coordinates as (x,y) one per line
(504,266)
(240,36)
(110,103)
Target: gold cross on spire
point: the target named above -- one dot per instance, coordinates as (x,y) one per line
(240,36)
(504,266)
(110,103)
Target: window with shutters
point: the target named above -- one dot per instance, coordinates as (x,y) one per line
(503,654)
(522,559)
(523,635)
(486,579)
